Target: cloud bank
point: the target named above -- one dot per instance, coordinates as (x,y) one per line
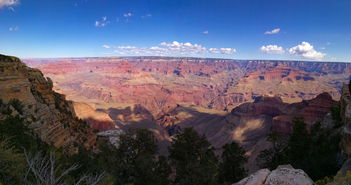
(170,48)
(274,49)
(8,3)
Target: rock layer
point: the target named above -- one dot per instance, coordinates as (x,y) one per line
(160,83)
(49,114)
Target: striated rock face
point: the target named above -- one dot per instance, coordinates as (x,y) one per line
(345,113)
(160,83)
(283,175)
(249,123)
(49,114)
(310,110)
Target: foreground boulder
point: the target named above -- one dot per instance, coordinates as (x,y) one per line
(283,175)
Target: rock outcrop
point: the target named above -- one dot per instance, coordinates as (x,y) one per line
(97,120)
(283,175)
(345,113)
(248,124)
(48,113)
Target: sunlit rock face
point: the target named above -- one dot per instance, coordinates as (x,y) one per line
(283,175)
(48,113)
(159,83)
(311,111)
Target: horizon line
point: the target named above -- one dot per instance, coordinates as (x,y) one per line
(184,57)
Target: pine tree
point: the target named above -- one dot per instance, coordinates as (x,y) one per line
(194,159)
(231,167)
(299,144)
(137,162)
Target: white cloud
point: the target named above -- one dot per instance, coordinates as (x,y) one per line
(306,50)
(8,3)
(103,22)
(272,49)
(170,49)
(127,47)
(15,28)
(183,48)
(205,32)
(222,50)
(146,16)
(213,50)
(227,50)
(106,46)
(272,32)
(129,14)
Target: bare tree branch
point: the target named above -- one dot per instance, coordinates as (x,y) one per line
(42,170)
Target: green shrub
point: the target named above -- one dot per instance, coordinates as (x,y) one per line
(12,164)
(17,105)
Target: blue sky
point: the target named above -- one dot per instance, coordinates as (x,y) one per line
(238,29)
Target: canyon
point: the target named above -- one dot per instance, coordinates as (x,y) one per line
(226,100)
(124,89)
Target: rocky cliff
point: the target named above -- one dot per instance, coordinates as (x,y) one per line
(250,123)
(319,105)
(48,113)
(345,114)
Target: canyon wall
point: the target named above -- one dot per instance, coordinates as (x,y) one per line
(48,113)
(160,83)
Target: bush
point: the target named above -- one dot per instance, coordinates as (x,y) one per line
(17,105)
(136,160)
(12,164)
